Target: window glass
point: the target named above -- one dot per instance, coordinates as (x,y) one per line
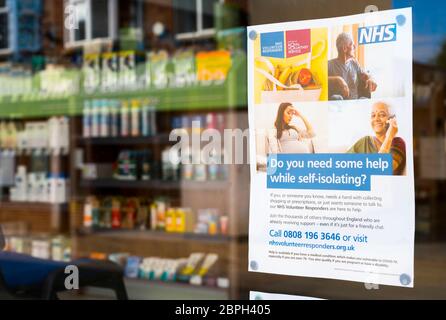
(100,18)
(185,16)
(3,31)
(80,9)
(208,13)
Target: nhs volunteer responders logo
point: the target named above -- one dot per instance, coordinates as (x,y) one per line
(297,42)
(272,44)
(376,34)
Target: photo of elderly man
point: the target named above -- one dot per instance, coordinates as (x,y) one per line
(347,80)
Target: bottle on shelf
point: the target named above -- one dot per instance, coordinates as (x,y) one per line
(116,214)
(135,118)
(125,121)
(86,120)
(95,118)
(114,118)
(88,213)
(145,119)
(170,164)
(104,118)
(153,130)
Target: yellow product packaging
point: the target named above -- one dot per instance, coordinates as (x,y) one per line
(170,220)
(213,65)
(184,220)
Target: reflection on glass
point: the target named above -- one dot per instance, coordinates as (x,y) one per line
(208,13)
(99,12)
(80,10)
(3,31)
(185,19)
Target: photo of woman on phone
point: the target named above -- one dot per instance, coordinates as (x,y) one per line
(385,127)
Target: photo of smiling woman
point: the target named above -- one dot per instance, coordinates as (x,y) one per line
(288,137)
(385,127)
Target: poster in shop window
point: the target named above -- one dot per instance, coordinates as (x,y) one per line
(330,114)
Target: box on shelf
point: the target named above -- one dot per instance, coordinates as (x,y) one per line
(131,70)
(92,72)
(97,171)
(110,71)
(213,66)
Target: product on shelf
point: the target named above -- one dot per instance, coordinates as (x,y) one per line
(170,162)
(127,166)
(213,65)
(117,70)
(113,118)
(193,165)
(158,213)
(116,214)
(132,267)
(93,171)
(160,269)
(88,213)
(110,71)
(146,166)
(144,214)
(135,116)
(207,221)
(50,135)
(158,69)
(125,119)
(58,81)
(15,80)
(56,248)
(184,66)
(40,185)
(197,269)
(8,161)
(92,72)
(131,70)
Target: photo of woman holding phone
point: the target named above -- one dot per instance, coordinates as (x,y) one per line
(385,127)
(288,137)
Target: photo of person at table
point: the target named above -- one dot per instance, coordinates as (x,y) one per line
(346,78)
(384,125)
(287,136)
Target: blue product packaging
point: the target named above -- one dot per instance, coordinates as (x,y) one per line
(132,267)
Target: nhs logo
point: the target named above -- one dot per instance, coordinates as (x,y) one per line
(375,34)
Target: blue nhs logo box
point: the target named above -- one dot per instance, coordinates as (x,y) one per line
(375,34)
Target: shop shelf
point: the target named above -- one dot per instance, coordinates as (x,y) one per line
(200,97)
(124,141)
(142,289)
(158,235)
(16,107)
(130,184)
(155,184)
(205,185)
(178,285)
(25,206)
(231,94)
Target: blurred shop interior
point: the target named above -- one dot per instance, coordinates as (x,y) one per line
(91,89)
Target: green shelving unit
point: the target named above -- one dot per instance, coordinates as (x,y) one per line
(231,94)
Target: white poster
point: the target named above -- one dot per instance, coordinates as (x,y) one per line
(257,295)
(330,113)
